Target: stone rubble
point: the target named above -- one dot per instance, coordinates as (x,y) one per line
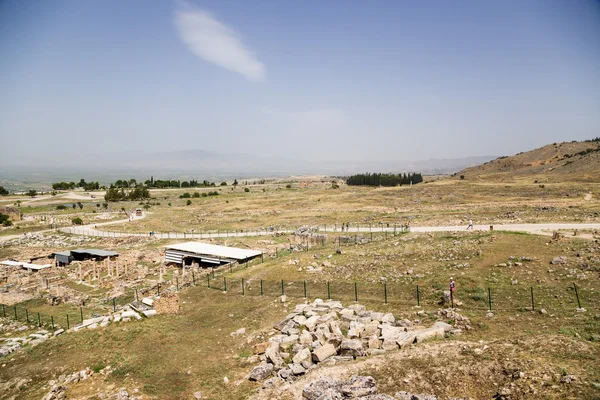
(327,332)
(58,387)
(357,387)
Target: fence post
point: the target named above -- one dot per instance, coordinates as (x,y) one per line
(39,320)
(224,284)
(355,292)
(304,289)
(15,312)
(490,298)
(261,288)
(158,289)
(532,301)
(52,321)
(282,288)
(328,291)
(385,292)
(243,290)
(577,294)
(263,257)
(80,313)
(114,305)
(176,284)
(193,277)
(418,297)
(136,296)
(208,280)
(68,326)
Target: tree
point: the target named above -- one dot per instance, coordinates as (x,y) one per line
(61,207)
(246,190)
(235,182)
(223,183)
(77,221)
(80,204)
(186,195)
(105,205)
(462,177)
(81,183)
(5,220)
(31,193)
(3,192)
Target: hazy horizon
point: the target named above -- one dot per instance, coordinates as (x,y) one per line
(312,82)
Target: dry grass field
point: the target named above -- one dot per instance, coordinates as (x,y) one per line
(175,356)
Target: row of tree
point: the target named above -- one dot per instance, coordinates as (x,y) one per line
(137,193)
(379,179)
(72,185)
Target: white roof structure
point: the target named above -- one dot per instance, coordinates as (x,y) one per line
(35,267)
(10,263)
(32,267)
(215,250)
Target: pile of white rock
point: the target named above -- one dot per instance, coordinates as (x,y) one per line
(328,332)
(126,314)
(12,344)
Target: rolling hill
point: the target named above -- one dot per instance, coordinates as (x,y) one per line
(557,162)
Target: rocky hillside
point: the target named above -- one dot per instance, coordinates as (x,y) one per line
(557,162)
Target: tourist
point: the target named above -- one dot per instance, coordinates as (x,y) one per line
(470,226)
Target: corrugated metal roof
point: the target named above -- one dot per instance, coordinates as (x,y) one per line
(62,253)
(96,252)
(215,250)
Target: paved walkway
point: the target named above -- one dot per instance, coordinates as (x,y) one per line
(540,229)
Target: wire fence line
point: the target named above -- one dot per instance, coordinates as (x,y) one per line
(356,228)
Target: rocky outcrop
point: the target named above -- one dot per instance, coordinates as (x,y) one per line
(327,332)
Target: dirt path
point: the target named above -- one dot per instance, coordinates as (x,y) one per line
(539,229)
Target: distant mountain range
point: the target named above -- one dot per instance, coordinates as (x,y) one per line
(207,163)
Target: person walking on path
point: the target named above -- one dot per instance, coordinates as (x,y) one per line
(452,286)
(470,226)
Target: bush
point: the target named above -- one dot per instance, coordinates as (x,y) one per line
(187,203)
(462,177)
(246,190)
(77,221)
(61,207)
(288,186)
(186,195)
(223,183)
(196,195)
(4,220)
(204,194)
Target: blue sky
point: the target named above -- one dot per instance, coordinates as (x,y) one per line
(310,80)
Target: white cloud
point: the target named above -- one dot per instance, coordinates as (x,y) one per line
(213,41)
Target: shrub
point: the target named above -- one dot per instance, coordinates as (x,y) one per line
(61,207)
(187,203)
(204,194)
(246,190)
(77,221)
(196,195)
(186,195)
(223,183)
(288,186)
(462,177)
